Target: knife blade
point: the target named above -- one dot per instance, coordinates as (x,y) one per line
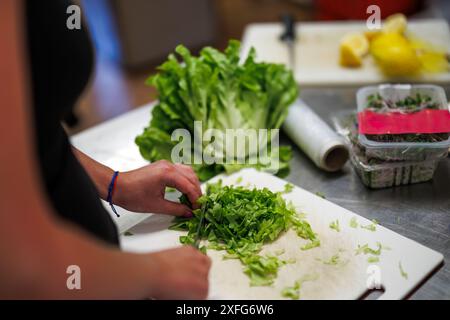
(288,37)
(199,228)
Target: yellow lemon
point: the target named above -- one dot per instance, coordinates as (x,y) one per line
(384,40)
(398,60)
(433,58)
(349,58)
(395,55)
(358,42)
(395,23)
(353,47)
(434,62)
(372,34)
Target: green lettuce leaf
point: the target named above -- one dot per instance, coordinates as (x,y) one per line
(222,92)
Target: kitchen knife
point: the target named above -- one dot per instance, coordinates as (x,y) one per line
(288,37)
(198,235)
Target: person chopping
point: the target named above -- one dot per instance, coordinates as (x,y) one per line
(51,216)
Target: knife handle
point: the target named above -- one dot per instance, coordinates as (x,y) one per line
(289,27)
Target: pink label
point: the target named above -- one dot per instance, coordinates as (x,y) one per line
(425,121)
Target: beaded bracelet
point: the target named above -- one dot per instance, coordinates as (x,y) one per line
(111,187)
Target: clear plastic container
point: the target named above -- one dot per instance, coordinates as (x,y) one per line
(378,173)
(408,151)
(391,174)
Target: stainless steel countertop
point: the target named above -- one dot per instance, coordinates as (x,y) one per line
(420,211)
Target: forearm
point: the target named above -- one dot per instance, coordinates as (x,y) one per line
(37,269)
(106,273)
(100,174)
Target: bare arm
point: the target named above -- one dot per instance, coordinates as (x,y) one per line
(99,173)
(35,247)
(143,189)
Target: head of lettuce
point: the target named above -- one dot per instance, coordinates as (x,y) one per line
(205,103)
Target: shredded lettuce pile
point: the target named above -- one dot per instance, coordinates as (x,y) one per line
(240,221)
(223,93)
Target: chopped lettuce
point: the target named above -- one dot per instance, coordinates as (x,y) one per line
(170,190)
(262,270)
(402,271)
(335,225)
(353,223)
(240,221)
(371,227)
(303,229)
(203,249)
(365,249)
(291,292)
(311,245)
(334,260)
(288,187)
(320,194)
(294,291)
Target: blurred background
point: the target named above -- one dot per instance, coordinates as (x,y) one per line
(132,37)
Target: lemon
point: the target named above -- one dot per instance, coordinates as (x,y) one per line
(353,47)
(434,62)
(349,58)
(393,51)
(371,34)
(395,55)
(358,42)
(384,40)
(395,23)
(433,58)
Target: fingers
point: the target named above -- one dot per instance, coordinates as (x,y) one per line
(199,268)
(174,208)
(189,173)
(181,177)
(184,185)
(203,258)
(185,274)
(198,261)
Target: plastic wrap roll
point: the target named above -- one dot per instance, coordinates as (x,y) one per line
(311,134)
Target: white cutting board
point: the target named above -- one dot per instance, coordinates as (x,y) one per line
(345,281)
(317,51)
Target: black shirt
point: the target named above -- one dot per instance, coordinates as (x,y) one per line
(61,61)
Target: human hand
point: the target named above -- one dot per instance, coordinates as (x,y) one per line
(181,273)
(143,189)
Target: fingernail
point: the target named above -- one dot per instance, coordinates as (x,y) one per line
(188,215)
